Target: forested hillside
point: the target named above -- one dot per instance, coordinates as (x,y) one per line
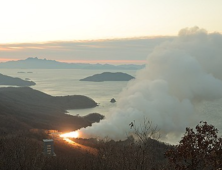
(35,109)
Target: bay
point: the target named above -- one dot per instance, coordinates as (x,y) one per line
(61,82)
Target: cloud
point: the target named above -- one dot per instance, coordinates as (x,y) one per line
(115,49)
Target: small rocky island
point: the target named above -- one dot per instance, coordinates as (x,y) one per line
(108,76)
(113,100)
(13,81)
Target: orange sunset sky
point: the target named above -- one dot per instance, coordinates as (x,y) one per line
(104,31)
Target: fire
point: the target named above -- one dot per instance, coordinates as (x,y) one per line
(66,137)
(74,134)
(69,141)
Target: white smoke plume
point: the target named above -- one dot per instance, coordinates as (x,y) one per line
(179,75)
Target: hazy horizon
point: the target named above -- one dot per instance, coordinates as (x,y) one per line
(110,51)
(111,62)
(99,31)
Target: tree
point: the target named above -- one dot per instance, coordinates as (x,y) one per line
(148,152)
(199,149)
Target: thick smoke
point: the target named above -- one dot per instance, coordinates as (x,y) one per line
(179,75)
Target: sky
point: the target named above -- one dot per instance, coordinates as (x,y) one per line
(116,51)
(47,21)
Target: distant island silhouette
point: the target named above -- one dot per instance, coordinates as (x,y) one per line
(14,81)
(108,76)
(36,63)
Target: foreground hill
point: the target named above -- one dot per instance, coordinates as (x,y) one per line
(34,109)
(7,80)
(24,112)
(108,76)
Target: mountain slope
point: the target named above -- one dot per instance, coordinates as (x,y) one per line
(39,110)
(7,80)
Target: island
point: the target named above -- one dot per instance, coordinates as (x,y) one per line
(113,100)
(14,81)
(94,117)
(109,76)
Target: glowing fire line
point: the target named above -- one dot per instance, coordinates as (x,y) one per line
(70,135)
(75,134)
(69,141)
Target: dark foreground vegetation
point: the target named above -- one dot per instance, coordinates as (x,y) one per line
(22,150)
(22,129)
(199,149)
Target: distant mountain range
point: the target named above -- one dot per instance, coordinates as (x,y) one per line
(36,63)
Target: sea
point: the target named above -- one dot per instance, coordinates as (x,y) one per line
(64,82)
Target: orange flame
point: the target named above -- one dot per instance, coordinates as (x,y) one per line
(69,141)
(74,134)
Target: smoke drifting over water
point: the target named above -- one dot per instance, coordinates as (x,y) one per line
(180,74)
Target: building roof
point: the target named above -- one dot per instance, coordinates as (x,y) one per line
(47,140)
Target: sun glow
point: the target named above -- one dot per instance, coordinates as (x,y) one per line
(74,134)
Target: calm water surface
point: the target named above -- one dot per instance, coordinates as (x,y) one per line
(66,82)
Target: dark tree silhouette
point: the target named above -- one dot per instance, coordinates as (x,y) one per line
(199,149)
